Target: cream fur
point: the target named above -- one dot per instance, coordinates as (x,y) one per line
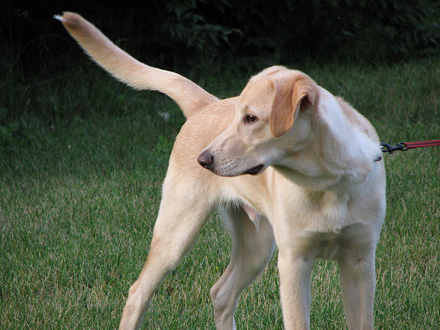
(316,189)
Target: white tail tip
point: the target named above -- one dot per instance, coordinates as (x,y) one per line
(58,17)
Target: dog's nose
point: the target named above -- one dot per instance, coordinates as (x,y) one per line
(206,159)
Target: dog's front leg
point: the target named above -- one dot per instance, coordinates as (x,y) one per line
(358,280)
(295,270)
(181,216)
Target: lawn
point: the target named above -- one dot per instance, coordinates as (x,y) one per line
(80,188)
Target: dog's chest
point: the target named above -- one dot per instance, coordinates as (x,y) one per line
(323,223)
(322,212)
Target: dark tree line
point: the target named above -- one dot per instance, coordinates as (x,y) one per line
(372,30)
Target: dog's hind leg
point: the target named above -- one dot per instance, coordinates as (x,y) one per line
(183,212)
(252,248)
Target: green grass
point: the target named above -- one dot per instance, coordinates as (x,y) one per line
(80,187)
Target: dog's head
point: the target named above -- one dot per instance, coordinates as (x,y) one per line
(262,132)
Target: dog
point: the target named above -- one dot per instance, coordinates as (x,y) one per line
(287,163)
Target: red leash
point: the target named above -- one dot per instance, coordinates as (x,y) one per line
(404,146)
(421,144)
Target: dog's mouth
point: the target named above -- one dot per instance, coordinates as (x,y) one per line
(254,170)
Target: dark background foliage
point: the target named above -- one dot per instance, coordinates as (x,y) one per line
(285,30)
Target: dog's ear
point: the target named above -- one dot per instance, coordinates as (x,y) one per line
(288,97)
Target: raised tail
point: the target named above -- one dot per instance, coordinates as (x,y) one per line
(189,96)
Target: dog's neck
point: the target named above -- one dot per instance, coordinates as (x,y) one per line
(337,154)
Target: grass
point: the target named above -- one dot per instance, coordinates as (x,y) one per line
(81,171)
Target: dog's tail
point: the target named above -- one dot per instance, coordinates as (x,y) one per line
(189,96)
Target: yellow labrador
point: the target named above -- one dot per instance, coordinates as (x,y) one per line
(288,164)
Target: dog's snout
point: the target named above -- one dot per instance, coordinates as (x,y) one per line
(206,159)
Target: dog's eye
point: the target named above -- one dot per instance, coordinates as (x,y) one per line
(248,119)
